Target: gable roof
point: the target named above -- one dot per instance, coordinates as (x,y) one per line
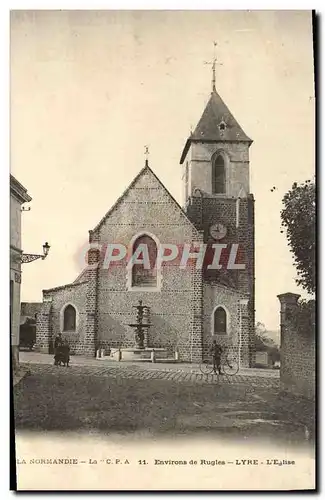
(145,169)
(208,129)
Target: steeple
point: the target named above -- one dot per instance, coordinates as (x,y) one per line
(214,62)
(214,76)
(217,124)
(215,158)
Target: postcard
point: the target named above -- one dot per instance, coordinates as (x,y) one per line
(162,251)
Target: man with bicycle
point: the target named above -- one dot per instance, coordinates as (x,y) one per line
(216,351)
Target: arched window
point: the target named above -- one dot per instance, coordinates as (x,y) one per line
(69,319)
(220,321)
(219,175)
(144,274)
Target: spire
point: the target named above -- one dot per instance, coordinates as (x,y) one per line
(146,152)
(217,124)
(214,67)
(214,62)
(214,75)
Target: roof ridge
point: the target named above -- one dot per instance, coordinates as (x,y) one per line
(119,199)
(146,167)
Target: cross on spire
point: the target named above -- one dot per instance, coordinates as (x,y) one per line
(214,62)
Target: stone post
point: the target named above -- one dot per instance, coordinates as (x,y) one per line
(244,337)
(44,328)
(288,305)
(196,335)
(91,300)
(146,320)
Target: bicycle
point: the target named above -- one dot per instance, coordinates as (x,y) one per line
(229,365)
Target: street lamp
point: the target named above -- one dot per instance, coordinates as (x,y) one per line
(30,257)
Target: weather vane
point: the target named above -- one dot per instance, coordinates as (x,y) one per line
(214,62)
(146,152)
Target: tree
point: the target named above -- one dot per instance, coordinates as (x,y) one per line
(304,319)
(264,343)
(262,340)
(260,337)
(298,219)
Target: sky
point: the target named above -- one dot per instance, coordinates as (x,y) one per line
(90,89)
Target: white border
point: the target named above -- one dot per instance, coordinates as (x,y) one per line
(4,55)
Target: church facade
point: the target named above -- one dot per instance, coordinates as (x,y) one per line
(190,303)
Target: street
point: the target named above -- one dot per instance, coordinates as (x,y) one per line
(117,398)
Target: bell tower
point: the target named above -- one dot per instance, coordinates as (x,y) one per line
(215,158)
(217,197)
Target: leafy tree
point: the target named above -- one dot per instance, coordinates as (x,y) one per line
(262,340)
(264,343)
(298,219)
(304,319)
(260,331)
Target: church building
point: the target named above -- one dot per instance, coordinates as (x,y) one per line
(190,305)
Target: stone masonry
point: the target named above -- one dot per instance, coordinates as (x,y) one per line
(184,300)
(298,350)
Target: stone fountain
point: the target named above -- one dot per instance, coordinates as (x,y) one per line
(141,351)
(141,325)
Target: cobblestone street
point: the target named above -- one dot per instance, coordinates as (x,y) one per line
(109,397)
(178,372)
(147,372)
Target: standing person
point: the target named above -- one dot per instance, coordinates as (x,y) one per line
(66,353)
(216,351)
(58,343)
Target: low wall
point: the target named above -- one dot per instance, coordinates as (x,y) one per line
(298,363)
(298,350)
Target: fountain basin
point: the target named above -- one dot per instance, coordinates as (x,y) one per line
(136,354)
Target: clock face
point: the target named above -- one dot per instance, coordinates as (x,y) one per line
(218,231)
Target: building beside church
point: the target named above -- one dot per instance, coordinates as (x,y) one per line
(18,196)
(189,305)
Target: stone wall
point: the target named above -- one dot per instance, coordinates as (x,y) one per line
(50,318)
(238,338)
(237,166)
(298,350)
(238,217)
(182,303)
(216,295)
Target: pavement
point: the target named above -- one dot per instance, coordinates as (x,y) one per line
(113,398)
(19,374)
(104,409)
(110,398)
(178,372)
